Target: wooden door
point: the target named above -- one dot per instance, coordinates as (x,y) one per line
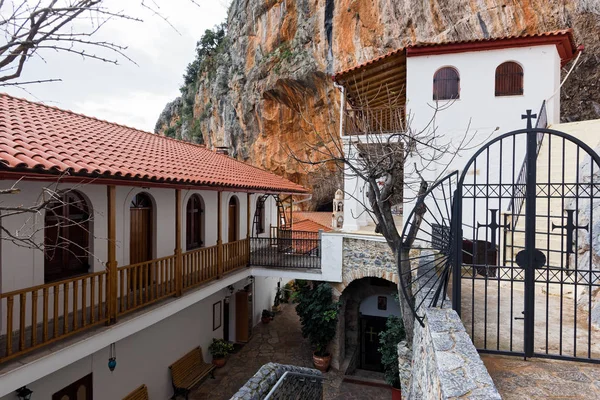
(370,355)
(140,242)
(79,390)
(242,314)
(233,220)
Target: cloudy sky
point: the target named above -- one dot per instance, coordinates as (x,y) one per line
(129,94)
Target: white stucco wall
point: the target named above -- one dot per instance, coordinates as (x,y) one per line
(369,306)
(478,111)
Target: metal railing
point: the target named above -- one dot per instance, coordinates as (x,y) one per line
(291,249)
(518,199)
(296,385)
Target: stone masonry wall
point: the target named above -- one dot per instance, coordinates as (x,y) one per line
(445,363)
(267,376)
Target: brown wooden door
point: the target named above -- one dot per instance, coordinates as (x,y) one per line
(233,220)
(79,390)
(242,314)
(140,242)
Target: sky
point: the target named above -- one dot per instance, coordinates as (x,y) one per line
(129,94)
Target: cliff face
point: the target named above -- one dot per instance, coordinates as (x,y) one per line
(270,86)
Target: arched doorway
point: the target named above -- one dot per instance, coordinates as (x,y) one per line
(233,230)
(66,237)
(365,305)
(141,226)
(194,237)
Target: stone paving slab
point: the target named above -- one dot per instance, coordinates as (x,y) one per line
(280,341)
(517,379)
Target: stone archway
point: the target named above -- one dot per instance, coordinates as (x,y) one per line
(345,348)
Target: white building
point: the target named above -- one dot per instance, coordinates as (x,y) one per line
(478,87)
(141,241)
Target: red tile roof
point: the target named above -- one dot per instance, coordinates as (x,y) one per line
(320,217)
(563,39)
(36,138)
(308,225)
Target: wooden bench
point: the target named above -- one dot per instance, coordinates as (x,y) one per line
(188,371)
(140,393)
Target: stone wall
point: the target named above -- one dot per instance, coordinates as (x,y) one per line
(445,363)
(269,374)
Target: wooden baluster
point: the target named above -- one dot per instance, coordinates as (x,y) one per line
(75,305)
(34,303)
(153,282)
(93,299)
(145,283)
(178,252)
(22,304)
(134,285)
(122,289)
(101,301)
(9,325)
(65,308)
(55,314)
(84,302)
(45,316)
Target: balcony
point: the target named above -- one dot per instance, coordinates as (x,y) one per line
(37,316)
(374,120)
(287,249)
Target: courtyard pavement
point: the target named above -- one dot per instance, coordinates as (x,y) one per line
(279,341)
(537,378)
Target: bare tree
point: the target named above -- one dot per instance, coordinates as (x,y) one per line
(46,214)
(29,28)
(380,143)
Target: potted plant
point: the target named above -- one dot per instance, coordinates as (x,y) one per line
(287,292)
(318,315)
(277,302)
(219,349)
(388,347)
(266,316)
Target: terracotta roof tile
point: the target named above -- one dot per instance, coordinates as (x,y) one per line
(309,226)
(320,217)
(40,138)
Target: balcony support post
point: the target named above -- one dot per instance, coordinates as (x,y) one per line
(111,264)
(248,230)
(178,252)
(219,235)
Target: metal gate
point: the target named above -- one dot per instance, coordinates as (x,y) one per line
(524,278)
(514,241)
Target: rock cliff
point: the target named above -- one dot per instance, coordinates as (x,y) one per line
(268,84)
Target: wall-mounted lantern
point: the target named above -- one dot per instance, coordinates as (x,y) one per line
(24,393)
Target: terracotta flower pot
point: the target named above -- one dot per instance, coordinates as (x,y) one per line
(396,394)
(322,363)
(218,362)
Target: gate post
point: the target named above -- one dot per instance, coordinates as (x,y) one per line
(530,213)
(456,259)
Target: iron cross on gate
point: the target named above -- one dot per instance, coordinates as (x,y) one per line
(570,228)
(493,226)
(529,116)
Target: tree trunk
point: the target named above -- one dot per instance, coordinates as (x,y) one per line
(405,307)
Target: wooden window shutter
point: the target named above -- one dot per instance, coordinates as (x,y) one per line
(446,84)
(509,79)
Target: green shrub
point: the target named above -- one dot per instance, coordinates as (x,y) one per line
(318,313)
(220,348)
(388,347)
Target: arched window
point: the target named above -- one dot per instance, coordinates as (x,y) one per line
(141,229)
(66,237)
(446,84)
(233,234)
(194,223)
(509,79)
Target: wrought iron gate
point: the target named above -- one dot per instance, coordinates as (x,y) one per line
(523,279)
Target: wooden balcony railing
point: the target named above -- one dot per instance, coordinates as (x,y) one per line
(145,283)
(235,255)
(374,120)
(36,316)
(200,266)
